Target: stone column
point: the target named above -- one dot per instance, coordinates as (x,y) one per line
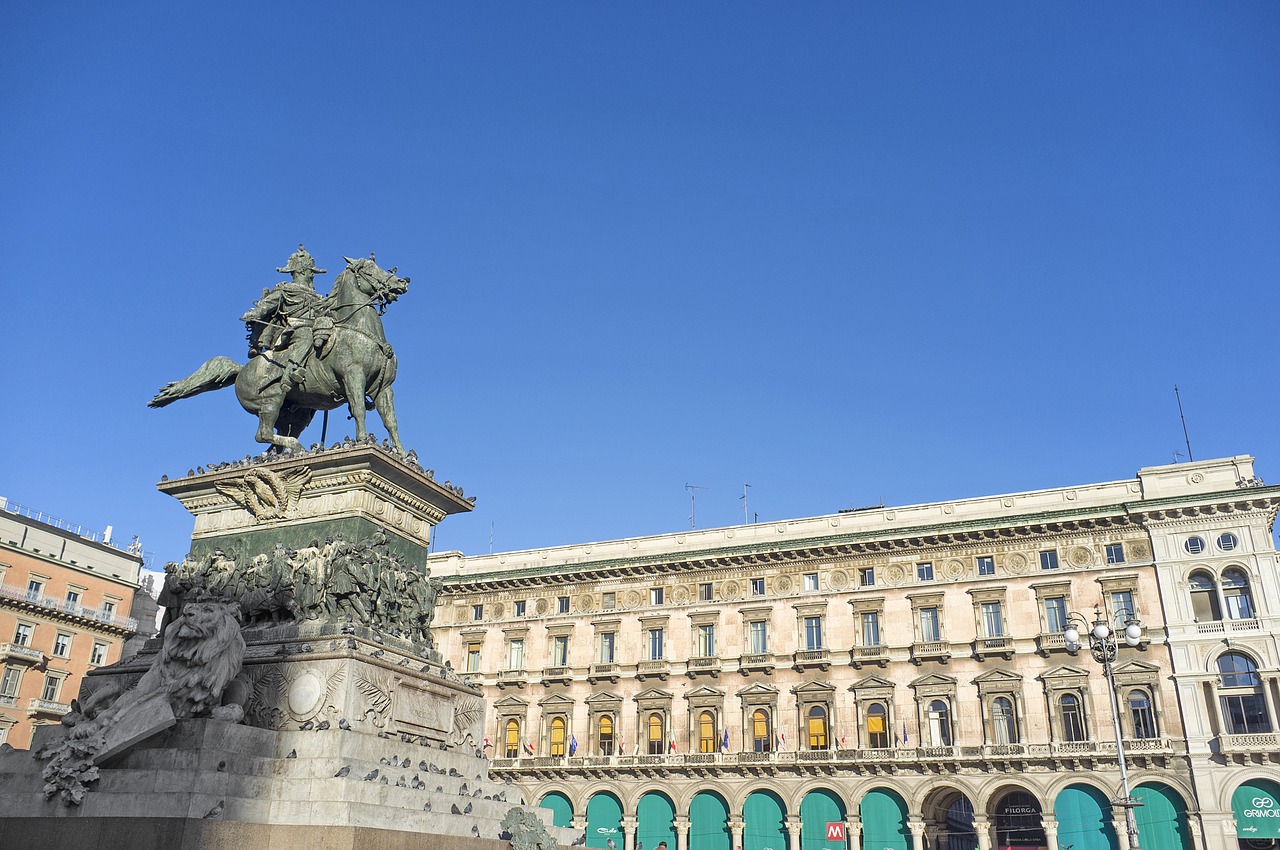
(1122,830)
(681,824)
(736,825)
(793,825)
(1050,826)
(982,825)
(917,834)
(853,833)
(629,832)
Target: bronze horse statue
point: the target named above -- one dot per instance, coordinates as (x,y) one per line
(345,359)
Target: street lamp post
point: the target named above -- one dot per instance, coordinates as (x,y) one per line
(1103,638)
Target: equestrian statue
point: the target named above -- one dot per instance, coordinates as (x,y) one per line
(309,353)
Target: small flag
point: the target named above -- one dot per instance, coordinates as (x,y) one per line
(671,748)
(528,747)
(487,745)
(783,736)
(724,745)
(622,746)
(906,739)
(573,744)
(842,742)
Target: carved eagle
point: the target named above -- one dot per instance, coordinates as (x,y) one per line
(264,493)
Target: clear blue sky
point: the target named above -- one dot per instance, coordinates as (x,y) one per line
(843,252)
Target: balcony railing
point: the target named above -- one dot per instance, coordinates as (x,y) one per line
(24,653)
(603,670)
(518,678)
(556,674)
(930,650)
(999,645)
(1248,743)
(878,654)
(805,658)
(8,702)
(74,609)
(1051,642)
(648,669)
(757,662)
(47,706)
(703,664)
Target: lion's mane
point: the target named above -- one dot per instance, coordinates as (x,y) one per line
(202,652)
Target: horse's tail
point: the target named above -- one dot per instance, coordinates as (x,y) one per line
(213,375)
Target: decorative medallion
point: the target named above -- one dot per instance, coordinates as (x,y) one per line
(953,568)
(633,599)
(680,594)
(542,606)
(895,575)
(1015,562)
(782,584)
(730,589)
(1008,503)
(586,602)
(839,580)
(498,610)
(1140,549)
(1080,556)
(1195,478)
(948,509)
(266,494)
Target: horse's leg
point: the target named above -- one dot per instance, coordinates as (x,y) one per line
(385,404)
(353,385)
(268,414)
(293,420)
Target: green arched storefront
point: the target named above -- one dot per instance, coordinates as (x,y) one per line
(709,822)
(1256,807)
(655,821)
(561,808)
(817,809)
(1084,819)
(764,816)
(1162,818)
(604,821)
(884,821)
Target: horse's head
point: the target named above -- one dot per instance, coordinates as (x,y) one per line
(381,286)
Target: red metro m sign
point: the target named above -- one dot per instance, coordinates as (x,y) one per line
(835,830)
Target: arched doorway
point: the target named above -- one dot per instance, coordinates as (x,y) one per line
(948,815)
(818,808)
(604,820)
(1162,818)
(655,821)
(561,808)
(1018,821)
(709,822)
(1084,819)
(764,816)
(884,820)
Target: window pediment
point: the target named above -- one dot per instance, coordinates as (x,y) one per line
(709,618)
(862,605)
(653,696)
(811,609)
(998,680)
(556,702)
(511,703)
(813,689)
(603,699)
(1063,674)
(933,683)
(986,594)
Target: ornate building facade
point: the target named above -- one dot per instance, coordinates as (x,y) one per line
(895,677)
(65,600)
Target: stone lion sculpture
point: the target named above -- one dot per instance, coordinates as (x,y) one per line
(202,652)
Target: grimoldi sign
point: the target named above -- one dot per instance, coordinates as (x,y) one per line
(1257,810)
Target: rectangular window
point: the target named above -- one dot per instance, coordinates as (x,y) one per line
(109,607)
(1049,559)
(810,581)
(22,634)
(477,612)
(98,656)
(35,587)
(655,644)
(515,655)
(924,571)
(1055,615)
(758,636)
(62,645)
(521,607)
(871,628)
(9,682)
(51,686)
(986,566)
(1122,602)
(706,640)
(73,597)
(813,633)
(609,601)
(992,620)
(867,577)
(655,596)
(930,625)
(473,658)
(607,640)
(562,605)
(1115,553)
(705,592)
(560,651)
(757,587)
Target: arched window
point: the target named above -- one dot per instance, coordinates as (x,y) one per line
(657,734)
(818,737)
(1244,710)
(1204,597)
(1142,715)
(1235,592)
(1004,722)
(1072,718)
(761,731)
(604,729)
(939,723)
(557,736)
(511,740)
(877,726)
(707,742)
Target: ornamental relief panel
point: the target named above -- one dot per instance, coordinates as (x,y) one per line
(839,579)
(1080,556)
(1015,562)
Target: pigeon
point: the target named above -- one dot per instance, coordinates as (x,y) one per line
(422,766)
(307,727)
(455,810)
(611,844)
(439,789)
(383,780)
(373,774)
(405,763)
(222,766)
(477,793)
(417,784)
(216,810)
(462,792)
(434,769)
(293,754)
(453,771)
(383,734)
(343,724)
(508,780)
(401,783)
(504,836)
(580,841)
(639,845)
(324,724)
(378,653)
(426,807)
(475,830)
(467,810)
(404,662)
(342,772)
(384,760)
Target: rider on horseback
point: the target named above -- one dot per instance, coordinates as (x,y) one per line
(286,314)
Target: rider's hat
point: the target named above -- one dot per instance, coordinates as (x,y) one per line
(301,261)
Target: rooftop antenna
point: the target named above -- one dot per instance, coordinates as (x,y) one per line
(490,538)
(1178,396)
(693,504)
(745,516)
